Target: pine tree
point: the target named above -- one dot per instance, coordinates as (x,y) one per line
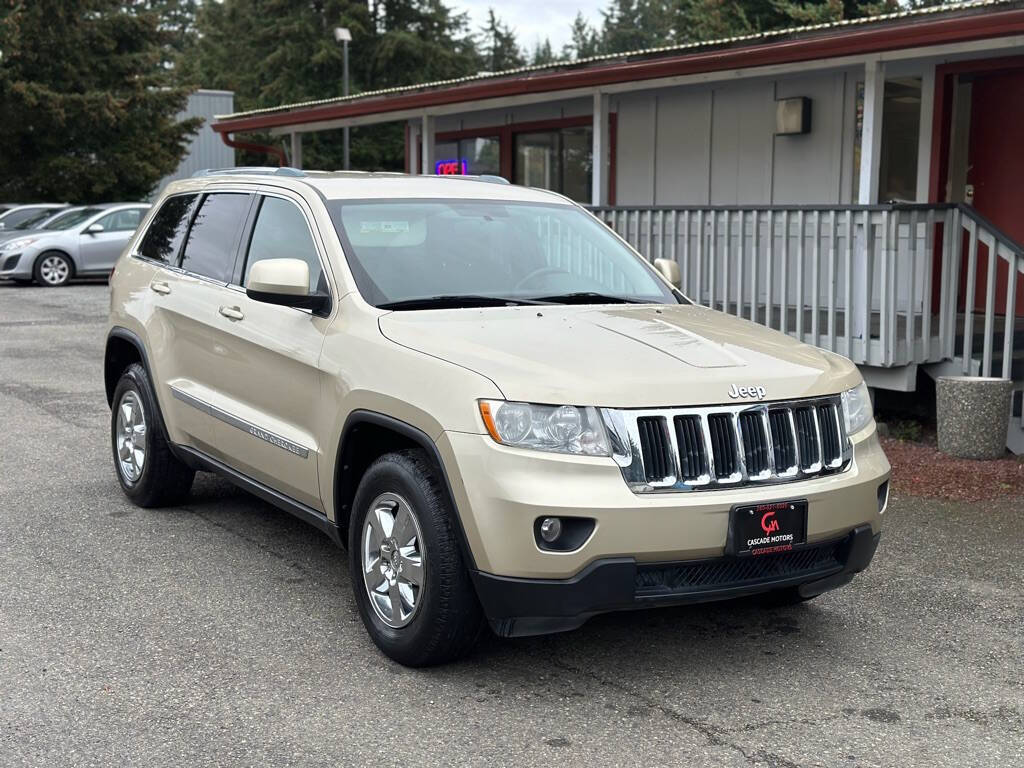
(500,49)
(89,109)
(584,40)
(630,25)
(542,53)
(295,58)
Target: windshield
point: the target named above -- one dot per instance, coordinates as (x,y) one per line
(477,253)
(34,219)
(70,219)
(12,219)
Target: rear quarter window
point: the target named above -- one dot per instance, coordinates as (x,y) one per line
(163,239)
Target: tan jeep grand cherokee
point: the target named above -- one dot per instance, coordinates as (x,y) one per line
(503,411)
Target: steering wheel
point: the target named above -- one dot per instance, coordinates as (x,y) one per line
(539,272)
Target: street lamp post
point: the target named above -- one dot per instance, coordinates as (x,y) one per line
(343,36)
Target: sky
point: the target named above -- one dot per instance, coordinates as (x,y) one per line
(534,20)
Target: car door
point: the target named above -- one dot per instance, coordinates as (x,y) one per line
(178,349)
(98,249)
(267,376)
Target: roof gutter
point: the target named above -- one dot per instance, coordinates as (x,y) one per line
(841,42)
(248,146)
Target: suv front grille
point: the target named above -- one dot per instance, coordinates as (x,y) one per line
(683,449)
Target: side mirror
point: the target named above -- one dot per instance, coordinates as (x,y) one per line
(284,282)
(669,270)
(94,229)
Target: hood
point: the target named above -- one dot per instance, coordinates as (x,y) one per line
(622,356)
(6,235)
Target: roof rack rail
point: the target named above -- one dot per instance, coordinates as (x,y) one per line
(264,170)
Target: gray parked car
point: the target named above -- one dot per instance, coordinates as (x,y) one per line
(41,220)
(81,242)
(19,214)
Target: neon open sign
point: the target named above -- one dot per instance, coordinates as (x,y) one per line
(450,168)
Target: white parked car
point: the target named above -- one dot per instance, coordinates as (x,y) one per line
(81,242)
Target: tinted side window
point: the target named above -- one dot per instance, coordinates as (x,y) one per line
(209,248)
(162,240)
(281,233)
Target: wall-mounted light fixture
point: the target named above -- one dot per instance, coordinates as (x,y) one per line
(792,116)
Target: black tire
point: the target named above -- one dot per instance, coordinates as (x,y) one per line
(449,620)
(63,276)
(163,480)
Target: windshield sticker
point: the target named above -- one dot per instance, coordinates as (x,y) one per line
(383,227)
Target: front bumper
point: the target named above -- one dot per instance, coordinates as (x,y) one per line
(519,607)
(15,265)
(501,492)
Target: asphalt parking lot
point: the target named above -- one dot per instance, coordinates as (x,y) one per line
(223,632)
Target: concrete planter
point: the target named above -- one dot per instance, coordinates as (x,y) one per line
(972,414)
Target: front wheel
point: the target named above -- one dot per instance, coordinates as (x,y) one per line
(409,580)
(53,269)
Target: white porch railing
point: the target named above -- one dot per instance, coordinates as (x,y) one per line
(883,285)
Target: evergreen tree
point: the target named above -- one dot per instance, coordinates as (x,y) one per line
(630,25)
(542,53)
(294,59)
(178,21)
(584,41)
(88,106)
(500,49)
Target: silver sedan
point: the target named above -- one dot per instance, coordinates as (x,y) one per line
(80,242)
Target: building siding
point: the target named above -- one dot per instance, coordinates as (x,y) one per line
(206,149)
(717,145)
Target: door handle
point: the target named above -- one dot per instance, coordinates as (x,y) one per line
(232,313)
(160,287)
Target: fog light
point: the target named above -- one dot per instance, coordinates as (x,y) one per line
(550,529)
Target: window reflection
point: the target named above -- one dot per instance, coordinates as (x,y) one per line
(559,160)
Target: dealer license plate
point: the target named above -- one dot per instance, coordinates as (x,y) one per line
(761,529)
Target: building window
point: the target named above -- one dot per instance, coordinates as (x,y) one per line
(901,132)
(901,127)
(474,156)
(559,160)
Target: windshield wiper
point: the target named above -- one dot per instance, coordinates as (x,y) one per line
(456,300)
(588,297)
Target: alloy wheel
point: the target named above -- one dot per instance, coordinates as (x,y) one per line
(54,270)
(393,561)
(130,437)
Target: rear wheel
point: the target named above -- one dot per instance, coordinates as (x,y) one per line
(150,475)
(53,269)
(409,580)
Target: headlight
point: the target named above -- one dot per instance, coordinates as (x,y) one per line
(21,242)
(857,408)
(555,428)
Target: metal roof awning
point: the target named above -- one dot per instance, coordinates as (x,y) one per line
(913,29)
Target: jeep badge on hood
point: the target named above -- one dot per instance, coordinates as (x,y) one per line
(737,392)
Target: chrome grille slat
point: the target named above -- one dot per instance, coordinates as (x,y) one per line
(713,447)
